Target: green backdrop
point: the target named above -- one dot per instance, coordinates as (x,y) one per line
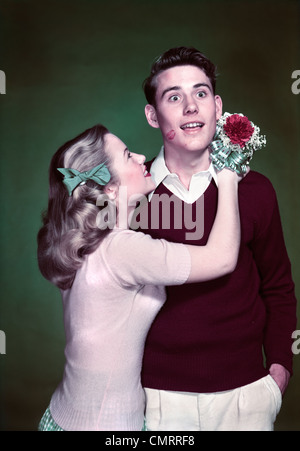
(72,64)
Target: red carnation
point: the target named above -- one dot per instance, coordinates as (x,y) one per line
(238,129)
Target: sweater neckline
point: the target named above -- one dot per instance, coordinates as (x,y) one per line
(161,189)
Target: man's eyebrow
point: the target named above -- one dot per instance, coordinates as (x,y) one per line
(178,88)
(199,85)
(173,88)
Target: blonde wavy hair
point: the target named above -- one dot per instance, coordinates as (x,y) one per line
(69,230)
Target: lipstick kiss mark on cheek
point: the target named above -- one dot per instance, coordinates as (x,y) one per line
(171,134)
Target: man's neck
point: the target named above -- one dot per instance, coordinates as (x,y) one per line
(186,164)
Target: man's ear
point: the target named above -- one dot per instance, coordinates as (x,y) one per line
(219,107)
(151,116)
(111,191)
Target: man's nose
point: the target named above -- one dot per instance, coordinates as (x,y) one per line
(190,106)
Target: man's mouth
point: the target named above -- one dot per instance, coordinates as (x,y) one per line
(192,125)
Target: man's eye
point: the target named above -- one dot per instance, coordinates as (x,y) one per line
(174,98)
(201,94)
(129,155)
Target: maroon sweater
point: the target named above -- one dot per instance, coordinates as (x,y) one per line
(209,336)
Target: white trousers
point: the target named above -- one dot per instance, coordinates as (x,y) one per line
(253,407)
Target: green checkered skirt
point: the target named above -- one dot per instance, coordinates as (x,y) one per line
(47,423)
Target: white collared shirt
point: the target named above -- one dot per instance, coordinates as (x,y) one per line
(199,181)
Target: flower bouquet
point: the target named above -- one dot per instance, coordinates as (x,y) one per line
(235,141)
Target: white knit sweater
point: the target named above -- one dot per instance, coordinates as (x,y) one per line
(107,313)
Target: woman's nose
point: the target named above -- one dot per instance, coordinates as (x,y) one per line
(139,158)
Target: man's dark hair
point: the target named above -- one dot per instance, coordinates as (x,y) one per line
(178,56)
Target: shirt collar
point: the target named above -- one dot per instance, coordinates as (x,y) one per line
(159,170)
(199,181)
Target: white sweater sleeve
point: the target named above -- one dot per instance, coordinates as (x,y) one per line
(134,258)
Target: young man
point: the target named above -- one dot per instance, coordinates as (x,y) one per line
(203,365)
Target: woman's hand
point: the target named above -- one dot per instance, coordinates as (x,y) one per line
(228,176)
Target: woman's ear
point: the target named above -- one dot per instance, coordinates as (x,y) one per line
(151,116)
(111,191)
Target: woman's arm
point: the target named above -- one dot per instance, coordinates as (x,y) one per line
(219,256)
(135,258)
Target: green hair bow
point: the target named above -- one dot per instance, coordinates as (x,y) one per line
(72,178)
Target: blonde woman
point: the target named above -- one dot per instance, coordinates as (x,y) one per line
(112,278)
